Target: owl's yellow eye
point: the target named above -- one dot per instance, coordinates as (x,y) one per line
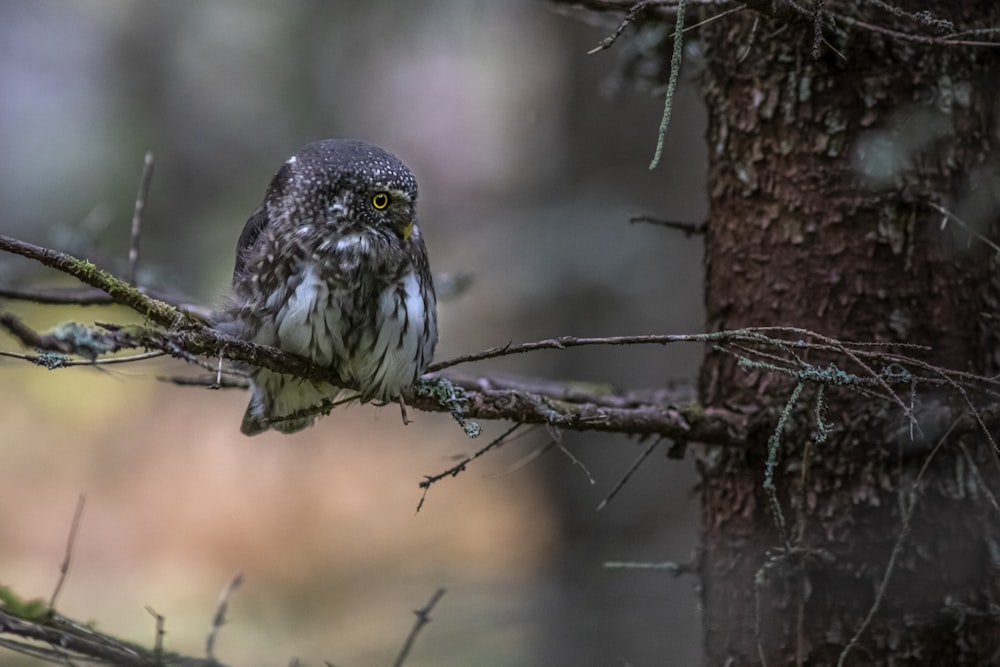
(380,200)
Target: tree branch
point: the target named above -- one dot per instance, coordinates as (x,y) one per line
(70,640)
(580,407)
(117,289)
(871,367)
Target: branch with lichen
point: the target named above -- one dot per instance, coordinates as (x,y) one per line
(872,368)
(44,634)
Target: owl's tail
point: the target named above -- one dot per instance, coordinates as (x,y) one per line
(275,398)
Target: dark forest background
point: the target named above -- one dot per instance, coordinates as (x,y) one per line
(531,157)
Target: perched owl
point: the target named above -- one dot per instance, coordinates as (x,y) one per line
(332,266)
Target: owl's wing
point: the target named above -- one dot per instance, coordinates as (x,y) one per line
(251,231)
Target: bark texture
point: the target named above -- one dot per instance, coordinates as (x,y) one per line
(822,175)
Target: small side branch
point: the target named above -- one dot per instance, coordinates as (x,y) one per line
(219,618)
(909,504)
(670,567)
(628,474)
(140,205)
(454,471)
(423,618)
(161,632)
(688,228)
(119,290)
(70,543)
(630,16)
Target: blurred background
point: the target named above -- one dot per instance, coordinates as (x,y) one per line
(531,156)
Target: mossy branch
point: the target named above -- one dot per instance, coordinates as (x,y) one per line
(869,367)
(120,291)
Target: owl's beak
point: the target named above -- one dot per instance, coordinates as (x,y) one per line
(406,231)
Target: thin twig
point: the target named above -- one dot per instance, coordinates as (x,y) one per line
(980,481)
(59,296)
(750,41)
(630,16)
(676,569)
(948,215)
(757,335)
(524,461)
(219,619)
(460,467)
(689,228)
(897,548)
(160,633)
(423,618)
(628,473)
(715,17)
(140,205)
(70,542)
(66,362)
(562,343)
(235,382)
(120,291)
(92,296)
(575,461)
(907,37)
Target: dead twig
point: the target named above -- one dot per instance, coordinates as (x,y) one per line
(423,618)
(140,204)
(897,549)
(628,474)
(689,228)
(453,471)
(948,215)
(219,618)
(630,16)
(119,290)
(160,633)
(70,542)
(676,569)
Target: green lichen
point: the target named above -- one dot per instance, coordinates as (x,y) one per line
(85,341)
(51,360)
(452,397)
(34,610)
(773,443)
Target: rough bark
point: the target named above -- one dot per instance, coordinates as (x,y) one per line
(822,175)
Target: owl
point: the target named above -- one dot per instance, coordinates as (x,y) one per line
(332,266)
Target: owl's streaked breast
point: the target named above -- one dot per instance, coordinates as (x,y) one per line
(332,266)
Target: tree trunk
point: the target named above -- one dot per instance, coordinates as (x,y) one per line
(822,175)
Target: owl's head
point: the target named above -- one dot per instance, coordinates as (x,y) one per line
(349,184)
